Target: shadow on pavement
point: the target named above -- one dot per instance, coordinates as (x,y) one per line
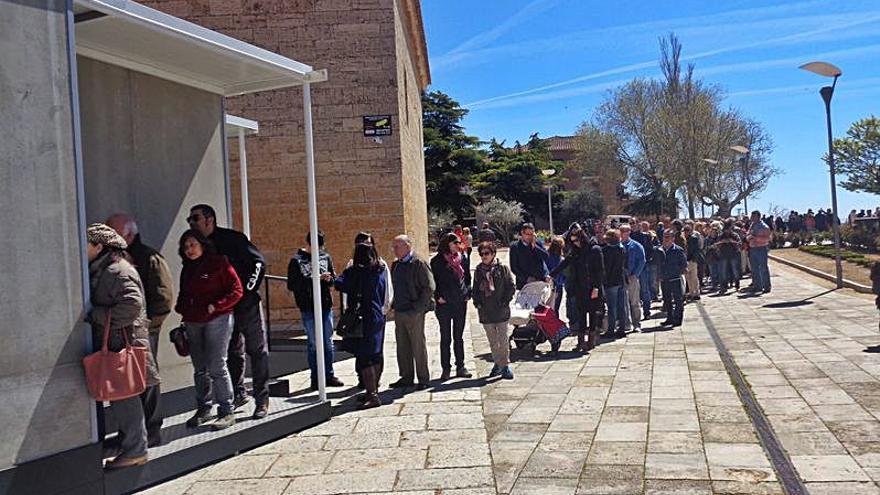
(801,302)
(873,349)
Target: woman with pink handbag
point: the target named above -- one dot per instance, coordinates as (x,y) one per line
(119,323)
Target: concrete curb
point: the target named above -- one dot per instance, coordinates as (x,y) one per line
(849,284)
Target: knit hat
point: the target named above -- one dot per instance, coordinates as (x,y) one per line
(98,233)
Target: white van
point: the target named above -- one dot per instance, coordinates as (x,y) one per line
(621,219)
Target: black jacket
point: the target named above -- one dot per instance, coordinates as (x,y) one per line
(585,269)
(647,242)
(413,285)
(448,285)
(694,250)
(527,263)
(493,306)
(249,264)
(299,280)
(614,256)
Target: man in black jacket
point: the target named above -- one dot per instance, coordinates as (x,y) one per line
(299,281)
(248,332)
(528,258)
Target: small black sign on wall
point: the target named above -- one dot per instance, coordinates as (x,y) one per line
(377,125)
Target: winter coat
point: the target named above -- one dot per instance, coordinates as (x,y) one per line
(614,256)
(447,285)
(249,264)
(299,280)
(157,281)
(635,257)
(527,263)
(586,270)
(116,290)
(647,241)
(695,248)
(209,280)
(413,285)
(493,306)
(672,262)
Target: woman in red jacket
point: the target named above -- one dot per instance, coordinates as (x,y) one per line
(209,289)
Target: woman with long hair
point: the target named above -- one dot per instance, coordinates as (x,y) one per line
(364,284)
(554,258)
(209,290)
(453,281)
(584,286)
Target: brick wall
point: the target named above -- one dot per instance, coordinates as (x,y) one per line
(361,184)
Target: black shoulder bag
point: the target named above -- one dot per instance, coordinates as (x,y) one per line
(351,323)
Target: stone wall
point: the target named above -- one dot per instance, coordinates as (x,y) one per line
(361,183)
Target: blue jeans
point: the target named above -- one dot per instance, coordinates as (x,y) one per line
(308,318)
(617,315)
(208,345)
(646,286)
(760,270)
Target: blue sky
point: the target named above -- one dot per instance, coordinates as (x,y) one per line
(524,66)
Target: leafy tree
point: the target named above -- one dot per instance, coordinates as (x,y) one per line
(516,174)
(578,205)
(503,216)
(451,156)
(440,219)
(858,156)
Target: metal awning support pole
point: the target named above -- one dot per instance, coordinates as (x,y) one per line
(313,230)
(245,203)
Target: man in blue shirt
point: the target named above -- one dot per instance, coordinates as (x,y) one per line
(635,265)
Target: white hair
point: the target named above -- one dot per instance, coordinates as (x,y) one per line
(129,225)
(405,239)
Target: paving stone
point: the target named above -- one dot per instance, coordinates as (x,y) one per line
(444,456)
(843,488)
(676,466)
(290,445)
(239,467)
(454,421)
(341,483)
(437,479)
(674,442)
(629,399)
(240,487)
(623,453)
(626,414)
(723,414)
(675,422)
(336,426)
(828,468)
(392,423)
(842,412)
(421,439)
(743,488)
(298,464)
(611,480)
(810,443)
(728,432)
(520,432)
(554,464)
(574,422)
(533,414)
(377,460)
(621,432)
(553,440)
(545,486)
(678,487)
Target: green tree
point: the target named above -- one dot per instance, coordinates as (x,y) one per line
(451,156)
(516,174)
(578,205)
(858,156)
(504,216)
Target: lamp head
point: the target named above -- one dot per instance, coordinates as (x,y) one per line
(548,172)
(823,69)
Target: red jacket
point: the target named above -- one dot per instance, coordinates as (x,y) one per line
(208,280)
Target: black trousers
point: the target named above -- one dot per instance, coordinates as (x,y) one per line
(249,337)
(452,317)
(673,300)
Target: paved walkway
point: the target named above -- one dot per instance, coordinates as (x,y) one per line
(655,413)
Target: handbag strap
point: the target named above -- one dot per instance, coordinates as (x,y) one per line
(107,329)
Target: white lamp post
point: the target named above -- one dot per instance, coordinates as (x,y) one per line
(829,70)
(549,173)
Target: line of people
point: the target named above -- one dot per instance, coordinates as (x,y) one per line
(219,305)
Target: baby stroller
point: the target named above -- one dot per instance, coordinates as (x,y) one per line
(534,320)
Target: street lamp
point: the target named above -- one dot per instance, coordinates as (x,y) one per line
(829,70)
(549,173)
(742,150)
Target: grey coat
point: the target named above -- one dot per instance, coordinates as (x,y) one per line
(117,290)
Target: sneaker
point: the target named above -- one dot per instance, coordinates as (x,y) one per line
(261,411)
(445,375)
(462,373)
(507,373)
(496,370)
(201,417)
(402,383)
(765,291)
(332,381)
(240,401)
(224,421)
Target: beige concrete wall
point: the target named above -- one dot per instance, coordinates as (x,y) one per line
(152,148)
(45,408)
(412,149)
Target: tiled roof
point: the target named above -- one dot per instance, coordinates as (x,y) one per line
(561,143)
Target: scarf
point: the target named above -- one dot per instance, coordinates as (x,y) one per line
(454,262)
(488,285)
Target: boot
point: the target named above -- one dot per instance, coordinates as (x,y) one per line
(371,381)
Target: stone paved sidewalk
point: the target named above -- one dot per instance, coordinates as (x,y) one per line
(654,413)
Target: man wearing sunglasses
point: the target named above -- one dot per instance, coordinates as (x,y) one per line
(248,333)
